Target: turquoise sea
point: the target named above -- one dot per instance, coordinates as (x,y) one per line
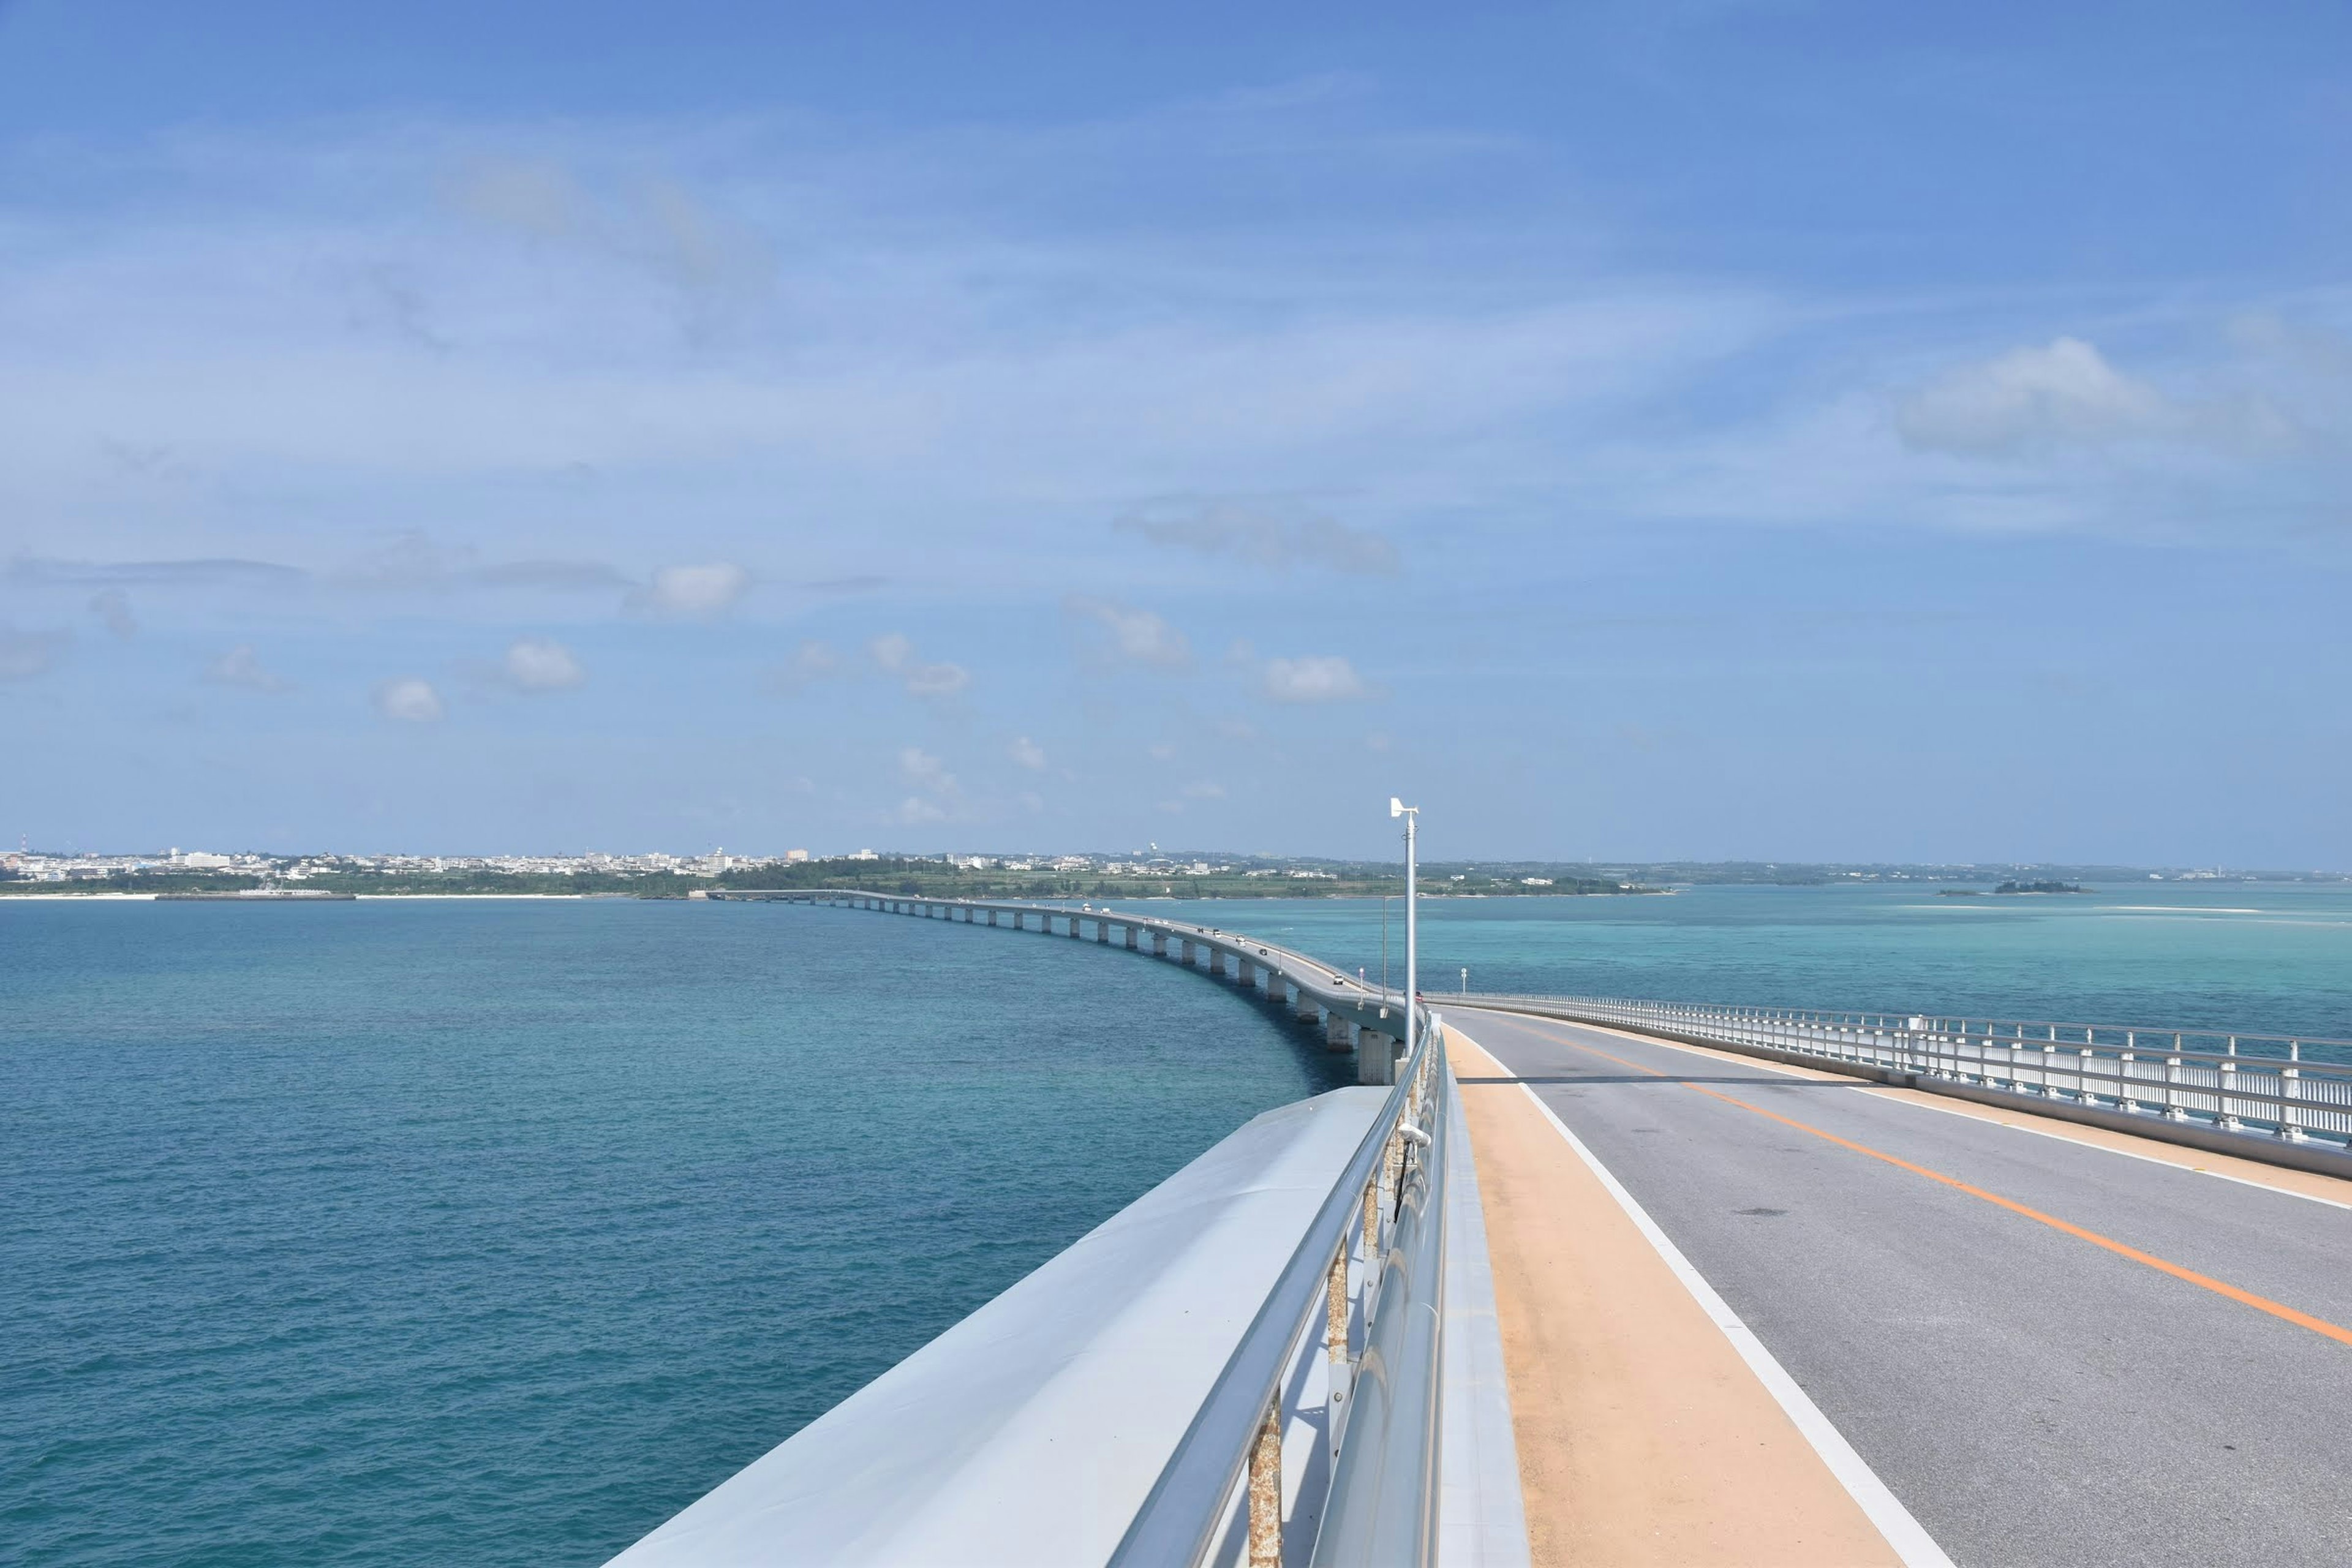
(493,1232)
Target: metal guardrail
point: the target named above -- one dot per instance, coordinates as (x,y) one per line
(2252,1084)
(1385,1214)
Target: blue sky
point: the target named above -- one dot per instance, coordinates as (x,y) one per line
(1711,430)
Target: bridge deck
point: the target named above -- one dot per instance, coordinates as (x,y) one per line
(2027,1391)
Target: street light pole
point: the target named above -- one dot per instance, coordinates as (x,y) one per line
(1412,814)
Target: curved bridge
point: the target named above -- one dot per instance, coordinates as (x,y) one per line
(1353,1015)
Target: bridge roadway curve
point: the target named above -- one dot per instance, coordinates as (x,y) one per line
(1344,1003)
(2029,1395)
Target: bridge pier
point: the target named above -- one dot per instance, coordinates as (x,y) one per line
(1304,1009)
(1130,939)
(1074,928)
(1160,944)
(1102,929)
(1187,959)
(1375,1056)
(1338,1033)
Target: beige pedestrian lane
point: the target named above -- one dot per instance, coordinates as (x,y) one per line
(1643,1437)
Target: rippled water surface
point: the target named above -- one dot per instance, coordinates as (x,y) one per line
(491,1233)
(486,1233)
(2262,958)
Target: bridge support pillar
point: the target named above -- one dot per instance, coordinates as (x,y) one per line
(1102,930)
(1186,959)
(1244,973)
(1128,938)
(1375,1056)
(1338,1033)
(1074,928)
(1160,944)
(1303,1007)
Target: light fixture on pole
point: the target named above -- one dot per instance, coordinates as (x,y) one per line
(1412,814)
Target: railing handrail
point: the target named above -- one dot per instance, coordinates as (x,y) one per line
(1186,1506)
(2148,1038)
(2268,1107)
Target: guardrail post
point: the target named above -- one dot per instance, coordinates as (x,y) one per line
(2173,1110)
(1335,1349)
(2291,1095)
(2229,1076)
(1265,1490)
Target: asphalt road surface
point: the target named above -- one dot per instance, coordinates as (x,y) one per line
(2031,1396)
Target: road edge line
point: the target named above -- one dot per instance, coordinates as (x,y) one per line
(1879,1503)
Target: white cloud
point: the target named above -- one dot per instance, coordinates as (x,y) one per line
(1134,636)
(699,592)
(1264,532)
(893,654)
(925,771)
(1206,789)
(1162,751)
(810,662)
(1312,678)
(408,700)
(937,792)
(241,666)
(537,665)
(1027,753)
(27,654)
(2028,399)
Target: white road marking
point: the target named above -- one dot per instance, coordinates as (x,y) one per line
(1909,1539)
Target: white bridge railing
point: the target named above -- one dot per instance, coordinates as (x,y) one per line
(2289,1088)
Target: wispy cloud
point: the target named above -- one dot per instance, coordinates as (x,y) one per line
(894,655)
(938,793)
(1311,679)
(539,664)
(408,701)
(1132,636)
(699,592)
(1027,753)
(242,667)
(40,571)
(1268,533)
(810,662)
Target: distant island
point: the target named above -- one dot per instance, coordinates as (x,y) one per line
(255,877)
(2011,887)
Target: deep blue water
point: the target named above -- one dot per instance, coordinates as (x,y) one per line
(491,1233)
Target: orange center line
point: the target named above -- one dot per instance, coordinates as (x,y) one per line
(2204,1282)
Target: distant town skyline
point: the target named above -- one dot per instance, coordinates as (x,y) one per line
(1641,432)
